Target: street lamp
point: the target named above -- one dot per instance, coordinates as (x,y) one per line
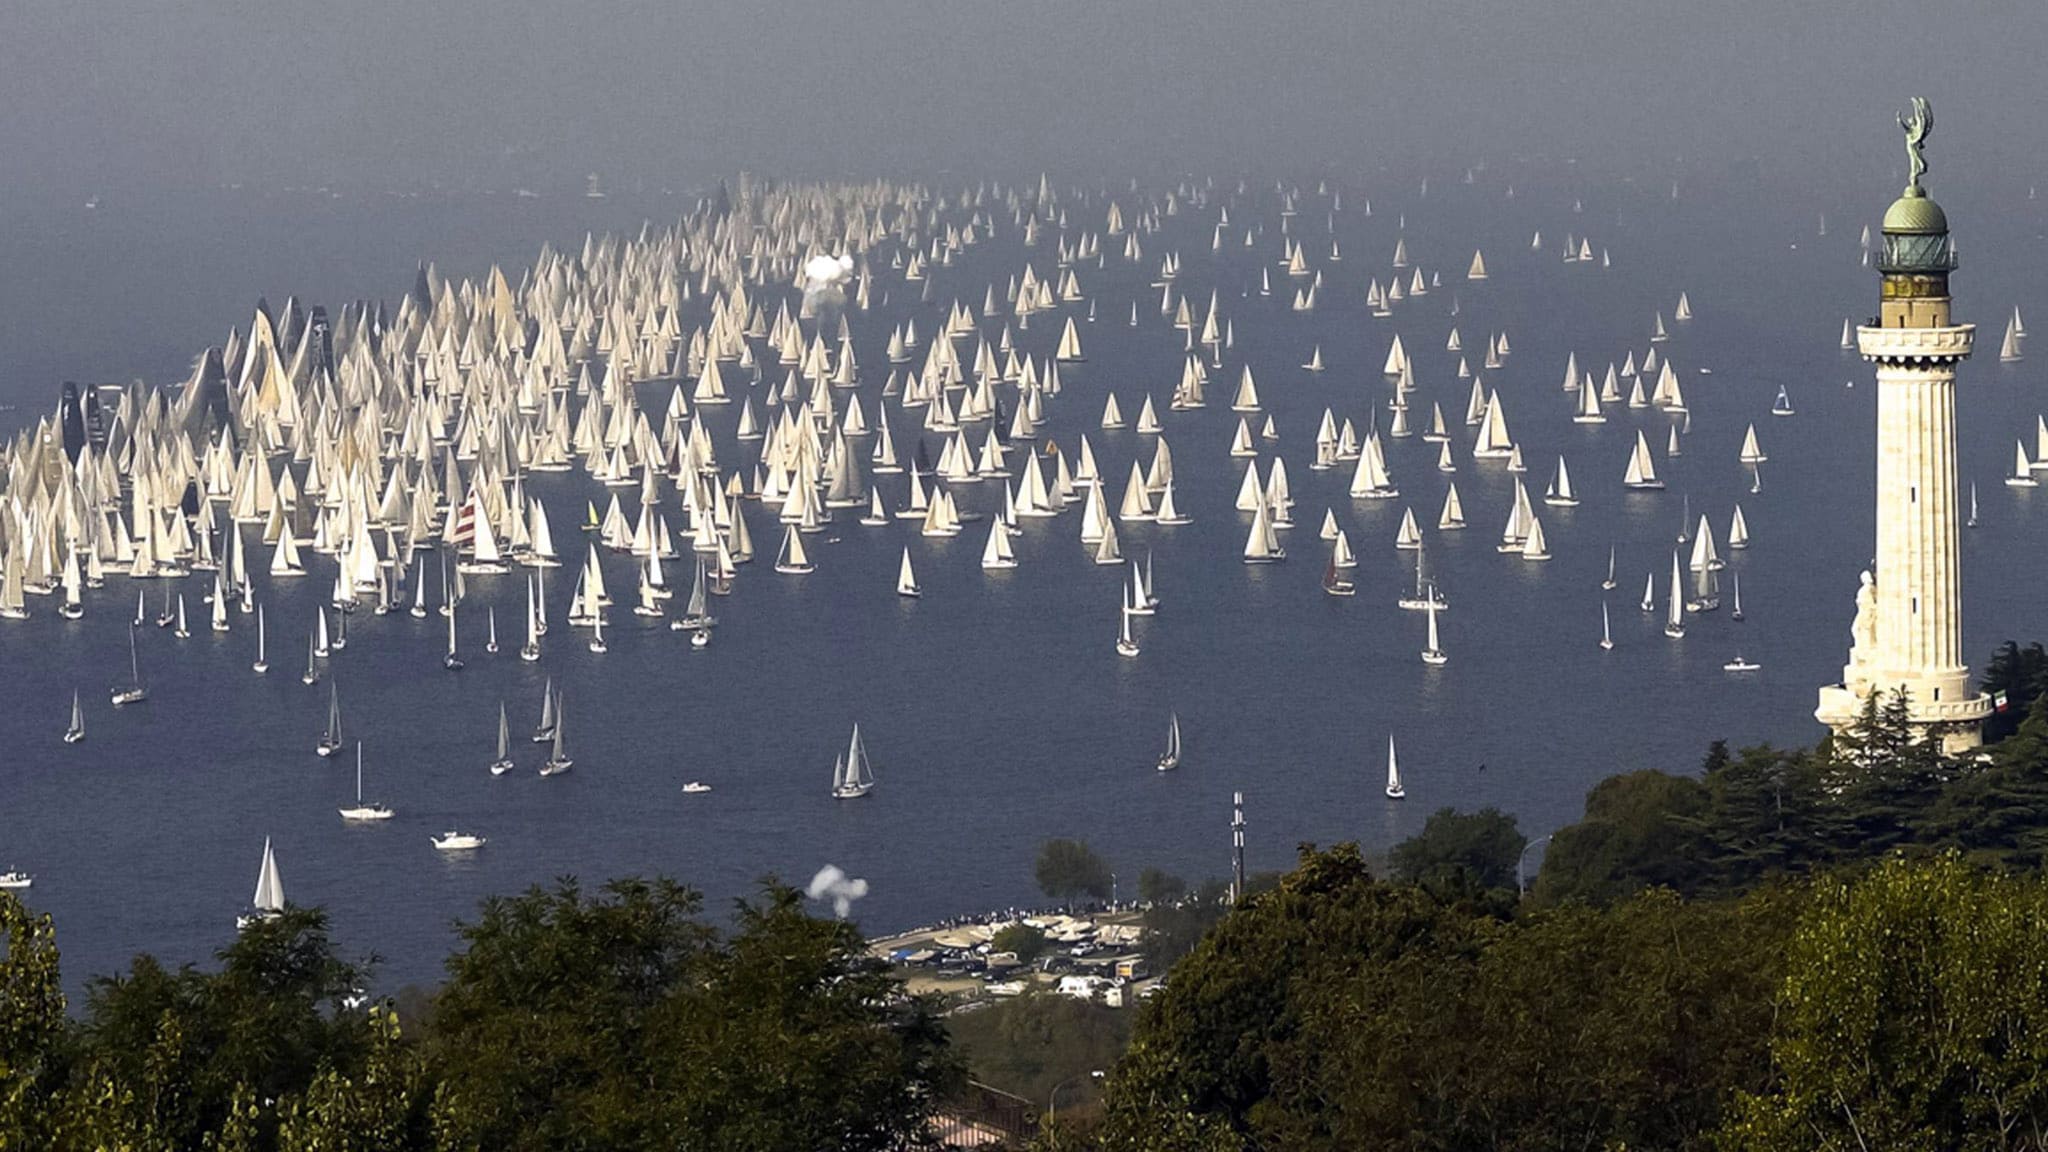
(1052,1103)
(1521,884)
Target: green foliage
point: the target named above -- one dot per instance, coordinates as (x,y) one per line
(1913,1015)
(1160,887)
(1338,1011)
(1480,848)
(1639,831)
(31,1025)
(1029,1045)
(1172,930)
(1026,942)
(619,1021)
(2020,673)
(1069,869)
(165,1053)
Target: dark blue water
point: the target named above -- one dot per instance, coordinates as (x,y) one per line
(995,708)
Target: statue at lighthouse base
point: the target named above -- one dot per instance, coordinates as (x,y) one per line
(1957,723)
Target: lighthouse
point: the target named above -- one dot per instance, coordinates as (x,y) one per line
(1909,622)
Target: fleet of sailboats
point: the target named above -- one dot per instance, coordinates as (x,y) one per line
(425,429)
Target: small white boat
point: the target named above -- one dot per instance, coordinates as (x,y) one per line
(1740,665)
(1432,652)
(453,841)
(558,760)
(363,812)
(852,775)
(1608,583)
(269,898)
(1782,406)
(545,730)
(1170,759)
(1125,645)
(1606,631)
(1394,789)
(1674,618)
(76,732)
(502,762)
(906,578)
(135,692)
(15,880)
(262,663)
(696,788)
(330,740)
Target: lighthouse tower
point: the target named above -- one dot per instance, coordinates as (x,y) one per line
(1908,630)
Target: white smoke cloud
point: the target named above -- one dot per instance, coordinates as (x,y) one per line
(824,281)
(833,884)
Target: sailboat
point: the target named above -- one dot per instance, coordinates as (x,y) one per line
(1782,406)
(1972,521)
(1606,631)
(597,643)
(491,643)
(181,631)
(269,898)
(793,560)
(135,692)
(852,775)
(1737,614)
(330,740)
(1170,759)
(1125,645)
(558,760)
(2022,471)
(530,651)
(452,661)
(1394,789)
(502,763)
(312,674)
(1674,617)
(76,732)
(262,663)
(1335,583)
(906,579)
(1432,652)
(363,811)
(545,730)
(1608,583)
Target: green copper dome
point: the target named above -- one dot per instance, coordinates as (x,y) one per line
(1915,214)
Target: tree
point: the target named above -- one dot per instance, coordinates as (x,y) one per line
(1340,1012)
(1069,868)
(1640,830)
(1156,886)
(32,1025)
(1021,940)
(620,1021)
(164,1054)
(1912,1014)
(1483,846)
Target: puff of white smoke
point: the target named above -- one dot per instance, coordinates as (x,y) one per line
(822,271)
(833,884)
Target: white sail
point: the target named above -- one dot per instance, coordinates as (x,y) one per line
(1395,791)
(269,896)
(906,578)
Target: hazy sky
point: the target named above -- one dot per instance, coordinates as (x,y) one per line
(501,92)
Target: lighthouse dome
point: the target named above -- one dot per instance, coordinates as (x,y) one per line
(1915,214)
